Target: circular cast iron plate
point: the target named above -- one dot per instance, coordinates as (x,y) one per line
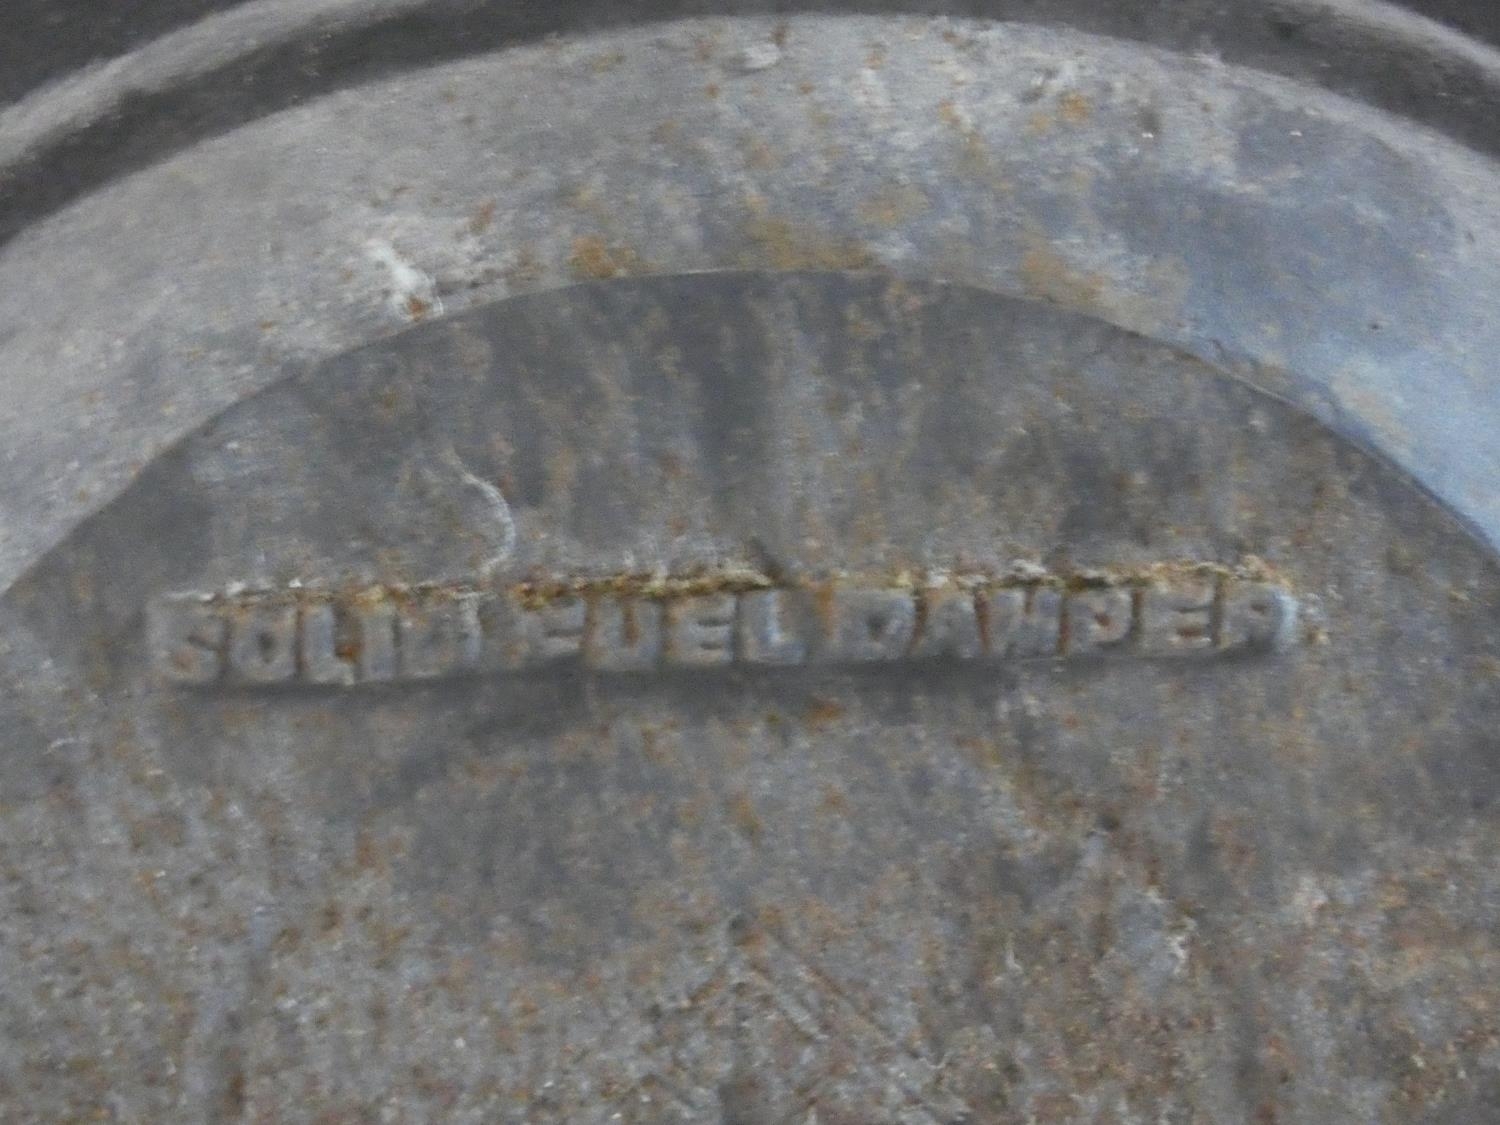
(1202,886)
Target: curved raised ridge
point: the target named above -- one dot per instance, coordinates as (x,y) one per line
(109,119)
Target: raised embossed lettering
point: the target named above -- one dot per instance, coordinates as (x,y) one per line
(1024,622)
(1257,615)
(1177,618)
(554,631)
(701,630)
(764,631)
(375,622)
(324,659)
(869,625)
(312,638)
(263,643)
(950,625)
(185,637)
(438,635)
(1099,620)
(624,635)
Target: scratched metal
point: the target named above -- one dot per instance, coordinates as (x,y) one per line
(1256,887)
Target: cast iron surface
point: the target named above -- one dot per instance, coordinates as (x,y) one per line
(905,892)
(265,55)
(1102,295)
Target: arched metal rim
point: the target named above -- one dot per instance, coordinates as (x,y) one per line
(88,128)
(124,376)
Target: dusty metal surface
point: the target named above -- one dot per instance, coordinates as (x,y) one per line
(1162,883)
(759,570)
(1332,255)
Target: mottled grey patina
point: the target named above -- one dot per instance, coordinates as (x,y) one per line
(927,320)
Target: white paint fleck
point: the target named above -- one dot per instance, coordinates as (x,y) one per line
(498,505)
(412,289)
(759,56)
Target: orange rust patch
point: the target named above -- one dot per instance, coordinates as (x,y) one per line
(821,712)
(1074,108)
(824,605)
(892,206)
(534,594)
(789,246)
(1040,122)
(595,259)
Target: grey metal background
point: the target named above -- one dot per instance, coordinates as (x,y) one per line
(1270,899)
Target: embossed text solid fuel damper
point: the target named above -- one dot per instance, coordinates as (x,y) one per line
(787,586)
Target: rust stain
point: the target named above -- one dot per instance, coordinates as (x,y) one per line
(595,259)
(1074,108)
(821,712)
(483,218)
(824,605)
(835,802)
(743,816)
(390,401)
(760,155)
(527,269)
(975,159)
(791,246)
(893,206)
(823,591)
(1046,275)
(643,586)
